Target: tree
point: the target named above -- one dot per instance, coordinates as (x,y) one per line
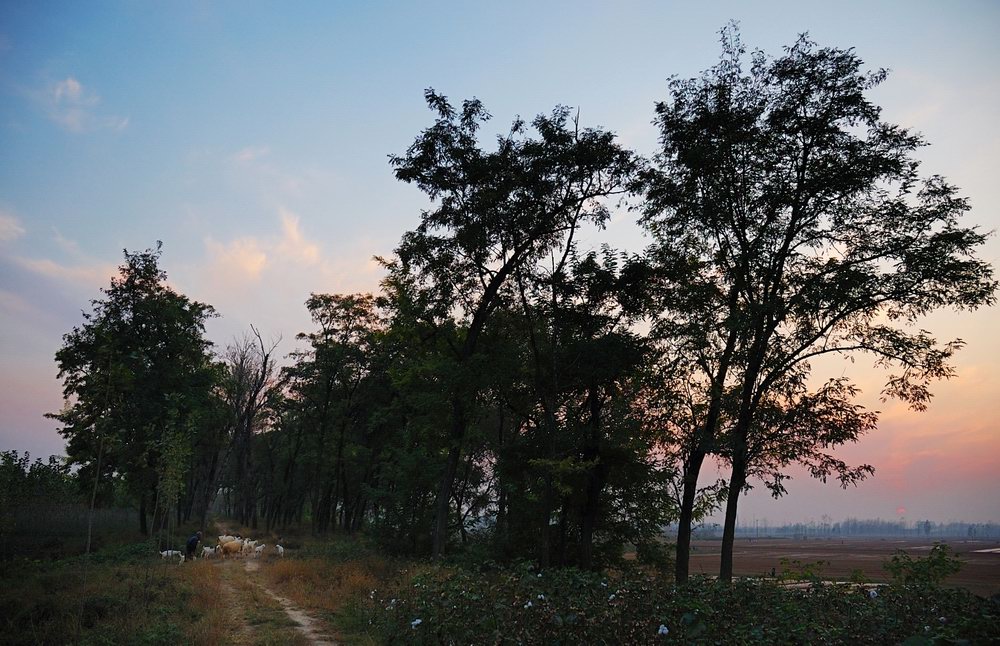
(805,230)
(249,386)
(135,376)
(493,213)
(327,382)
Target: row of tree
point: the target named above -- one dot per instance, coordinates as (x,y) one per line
(511,392)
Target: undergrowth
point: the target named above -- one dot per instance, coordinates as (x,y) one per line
(525,605)
(123,595)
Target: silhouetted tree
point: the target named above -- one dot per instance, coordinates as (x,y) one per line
(137,376)
(493,213)
(806,231)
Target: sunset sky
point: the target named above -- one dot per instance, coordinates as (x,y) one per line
(254,143)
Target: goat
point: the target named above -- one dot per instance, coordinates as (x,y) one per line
(207,551)
(257,551)
(166,554)
(281,550)
(232,547)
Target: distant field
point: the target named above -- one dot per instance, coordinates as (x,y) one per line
(755,557)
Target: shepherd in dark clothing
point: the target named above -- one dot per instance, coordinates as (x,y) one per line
(192,545)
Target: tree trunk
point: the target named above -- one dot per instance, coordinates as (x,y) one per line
(143,528)
(545,540)
(692,468)
(442,504)
(595,484)
(440,538)
(691,472)
(736,482)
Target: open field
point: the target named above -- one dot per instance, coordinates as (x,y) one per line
(756,557)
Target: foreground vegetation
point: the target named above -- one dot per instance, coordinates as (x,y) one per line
(524,605)
(124,595)
(376,599)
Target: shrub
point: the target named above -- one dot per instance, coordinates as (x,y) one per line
(923,572)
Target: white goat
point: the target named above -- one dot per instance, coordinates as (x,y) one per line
(166,554)
(281,550)
(257,551)
(207,552)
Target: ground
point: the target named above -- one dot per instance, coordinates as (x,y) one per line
(259,613)
(755,557)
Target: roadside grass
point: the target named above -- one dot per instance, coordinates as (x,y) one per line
(123,595)
(329,577)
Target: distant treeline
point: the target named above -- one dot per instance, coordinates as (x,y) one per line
(863,527)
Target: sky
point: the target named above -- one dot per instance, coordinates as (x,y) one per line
(253,141)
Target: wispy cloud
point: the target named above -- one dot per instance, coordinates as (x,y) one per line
(294,245)
(75,108)
(88,274)
(10,226)
(251,153)
(238,261)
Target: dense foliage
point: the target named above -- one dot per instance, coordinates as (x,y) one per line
(138,381)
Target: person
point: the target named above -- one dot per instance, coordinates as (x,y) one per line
(192,545)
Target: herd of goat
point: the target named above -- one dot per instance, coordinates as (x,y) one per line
(231,545)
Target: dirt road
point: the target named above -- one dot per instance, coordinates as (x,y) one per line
(259,614)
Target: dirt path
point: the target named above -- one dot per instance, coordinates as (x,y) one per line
(240,583)
(305,624)
(307,627)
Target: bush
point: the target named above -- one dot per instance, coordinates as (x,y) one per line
(923,572)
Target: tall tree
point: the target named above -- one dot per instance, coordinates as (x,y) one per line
(327,381)
(249,387)
(493,212)
(135,375)
(809,232)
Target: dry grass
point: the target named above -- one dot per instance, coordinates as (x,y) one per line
(213,623)
(111,601)
(319,584)
(254,617)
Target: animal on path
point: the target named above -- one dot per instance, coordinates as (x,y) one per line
(232,547)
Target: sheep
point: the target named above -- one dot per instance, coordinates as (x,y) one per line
(281,550)
(258,550)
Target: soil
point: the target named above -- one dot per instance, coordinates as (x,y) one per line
(980,573)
